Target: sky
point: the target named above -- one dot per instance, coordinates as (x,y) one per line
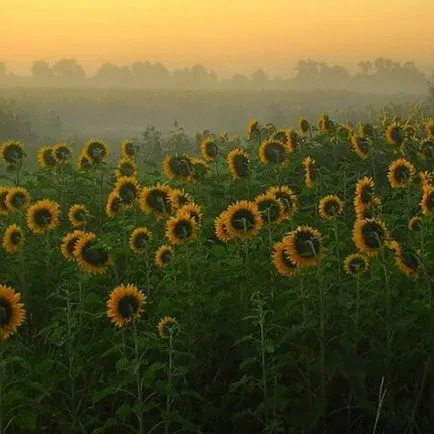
(227,36)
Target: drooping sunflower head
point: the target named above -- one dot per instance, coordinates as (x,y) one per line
(114,204)
(409,131)
(163,255)
(199,168)
(78,215)
(304,246)
(128,150)
(395,134)
(415,224)
(43,216)
(96,151)
(356,264)
(243,220)
(281,260)
(139,240)
(46,158)
(361,145)
(252,129)
(178,198)
(68,244)
(369,235)
(426,148)
(12,153)
(179,167)
(309,172)
(126,167)
(84,162)
(366,130)
(430,128)
(272,151)
(365,198)
(325,124)
(126,302)
(426,178)
(128,189)
(344,132)
(155,199)
(62,153)
(406,259)
(18,198)
(209,149)
(271,208)
(238,162)
(12,313)
(4,209)
(13,239)
(220,229)
(287,197)
(90,255)
(330,206)
(400,173)
(427,202)
(303,125)
(181,228)
(167,327)
(194,211)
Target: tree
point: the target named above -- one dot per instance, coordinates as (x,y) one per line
(259,78)
(41,71)
(111,73)
(69,70)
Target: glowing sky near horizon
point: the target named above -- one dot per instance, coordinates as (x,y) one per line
(227,36)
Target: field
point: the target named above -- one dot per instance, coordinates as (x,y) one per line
(273,281)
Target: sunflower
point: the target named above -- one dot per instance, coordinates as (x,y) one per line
(178,198)
(78,214)
(415,224)
(128,149)
(209,149)
(366,130)
(364,198)
(17,198)
(128,189)
(326,125)
(194,211)
(62,153)
(167,327)
(407,260)
(271,151)
(395,134)
(369,235)
(303,125)
(309,175)
(221,231)
(13,239)
(427,202)
(287,197)
(330,206)
(304,246)
(4,209)
(126,303)
(199,168)
(43,216)
(271,208)
(68,244)
(12,313)
(283,263)
(430,128)
(400,173)
(409,132)
(356,264)
(126,167)
(178,167)
(238,162)
(163,255)
(181,228)
(361,145)
(253,129)
(46,158)
(84,162)
(114,204)
(90,256)
(243,220)
(426,148)
(344,132)
(156,199)
(426,178)
(12,153)
(96,151)
(139,240)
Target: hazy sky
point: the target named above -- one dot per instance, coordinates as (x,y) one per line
(225,35)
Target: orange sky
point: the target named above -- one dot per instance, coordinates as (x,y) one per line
(225,35)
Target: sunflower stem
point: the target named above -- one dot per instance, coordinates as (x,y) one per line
(139,412)
(356,319)
(322,307)
(169,383)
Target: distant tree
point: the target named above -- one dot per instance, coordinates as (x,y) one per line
(150,74)
(41,71)
(259,78)
(111,73)
(336,77)
(69,70)
(366,67)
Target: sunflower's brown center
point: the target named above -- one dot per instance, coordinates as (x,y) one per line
(96,256)
(401,174)
(211,149)
(97,151)
(128,192)
(80,215)
(373,235)
(165,256)
(129,149)
(396,134)
(140,240)
(357,265)
(43,217)
(416,225)
(158,200)
(429,202)
(5,312)
(241,166)
(85,162)
(15,238)
(332,207)
(18,199)
(243,220)
(366,194)
(183,229)
(363,145)
(304,126)
(181,167)
(367,130)
(127,306)
(115,204)
(274,152)
(307,244)
(63,153)
(13,153)
(410,260)
(270,209)
(280,136)
(48,158)
(428,149)
(126,169)
(182,200)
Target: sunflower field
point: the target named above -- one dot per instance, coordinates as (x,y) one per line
(279,282)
